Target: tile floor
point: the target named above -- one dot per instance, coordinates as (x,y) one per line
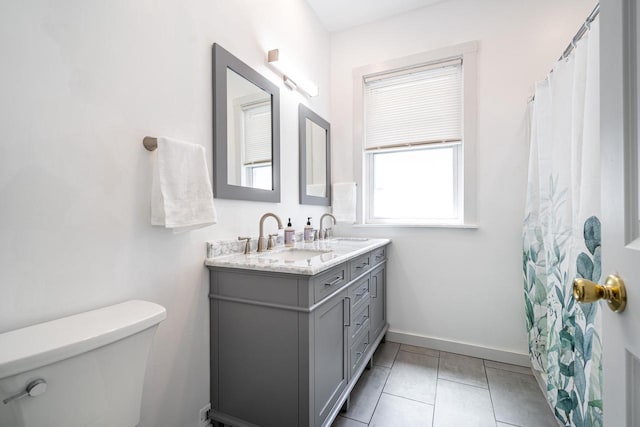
(414,386)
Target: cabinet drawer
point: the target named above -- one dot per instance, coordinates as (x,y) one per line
(359,292)
(329,281)
(378,255)
(359,265)
(357,352)
(359,321)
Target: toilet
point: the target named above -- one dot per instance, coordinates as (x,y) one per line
(85,370)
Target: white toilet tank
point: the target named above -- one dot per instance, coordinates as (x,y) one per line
(93,364)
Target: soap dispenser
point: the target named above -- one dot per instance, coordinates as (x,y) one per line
(289,235)
(308,231)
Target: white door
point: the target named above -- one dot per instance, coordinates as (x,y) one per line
(619,96)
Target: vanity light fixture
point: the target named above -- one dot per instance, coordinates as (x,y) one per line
(290,83)
(274,58)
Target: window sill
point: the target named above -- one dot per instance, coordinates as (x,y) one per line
(463,226)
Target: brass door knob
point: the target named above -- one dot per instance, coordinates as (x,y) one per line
(613,291)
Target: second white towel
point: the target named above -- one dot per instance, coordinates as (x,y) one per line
(181,195)
(343,197)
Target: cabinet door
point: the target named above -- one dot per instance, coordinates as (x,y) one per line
(331,321)
(377,303)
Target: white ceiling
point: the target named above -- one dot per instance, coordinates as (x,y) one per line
(337,15)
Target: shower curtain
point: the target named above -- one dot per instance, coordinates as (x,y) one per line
(561,235)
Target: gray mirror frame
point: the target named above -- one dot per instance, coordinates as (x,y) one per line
(305,113)
(222,60)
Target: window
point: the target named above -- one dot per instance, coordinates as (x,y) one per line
(414,184)
(416,120)
(259,176)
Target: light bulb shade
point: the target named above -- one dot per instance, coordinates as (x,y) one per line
(290,83)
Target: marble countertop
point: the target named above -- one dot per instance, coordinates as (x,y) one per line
(329,253)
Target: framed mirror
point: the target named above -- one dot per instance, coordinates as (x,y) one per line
(246,131)
(314,139)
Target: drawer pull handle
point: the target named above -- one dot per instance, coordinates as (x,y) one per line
(334,281)
(375,287)
(364,319)
(364,291)
(363,265)
(379,256)
(348,310)
(360,353)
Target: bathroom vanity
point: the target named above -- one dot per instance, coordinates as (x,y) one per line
(293,329)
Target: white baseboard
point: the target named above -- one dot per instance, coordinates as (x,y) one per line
(460,348)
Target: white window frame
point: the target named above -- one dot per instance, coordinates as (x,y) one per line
(467,164)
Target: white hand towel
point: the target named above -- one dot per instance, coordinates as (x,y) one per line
(343,199)
(181,195)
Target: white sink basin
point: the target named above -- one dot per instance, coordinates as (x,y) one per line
(293,255)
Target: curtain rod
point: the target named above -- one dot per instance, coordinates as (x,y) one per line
(572,45)
(581,31)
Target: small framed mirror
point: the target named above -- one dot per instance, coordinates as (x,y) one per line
(246,131)
(314,139)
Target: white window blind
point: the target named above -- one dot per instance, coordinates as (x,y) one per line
(411,107)
(257,133)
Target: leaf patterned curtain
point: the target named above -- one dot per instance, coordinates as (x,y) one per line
(561,236)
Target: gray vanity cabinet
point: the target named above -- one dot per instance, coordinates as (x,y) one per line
(287,349)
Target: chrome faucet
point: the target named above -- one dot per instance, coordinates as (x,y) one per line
(327,232)
(262,241)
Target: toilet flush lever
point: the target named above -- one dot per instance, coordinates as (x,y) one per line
(34,388)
